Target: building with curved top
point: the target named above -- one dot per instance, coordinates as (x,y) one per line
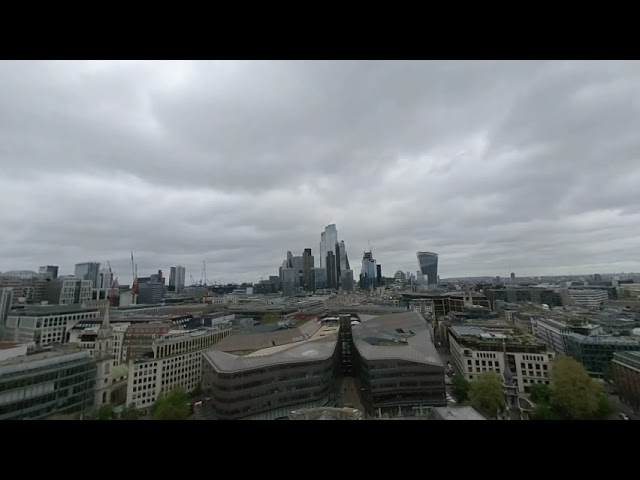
(428,262)
(398,368)
(265,376)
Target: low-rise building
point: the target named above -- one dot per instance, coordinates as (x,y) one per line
(44,383)
(175,361)
(596,352)
(476,350)
(45,325)
(588,298)
(626,374)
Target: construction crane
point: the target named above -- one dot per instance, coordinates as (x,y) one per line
(193,282)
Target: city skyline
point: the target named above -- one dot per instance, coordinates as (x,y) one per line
(501,165)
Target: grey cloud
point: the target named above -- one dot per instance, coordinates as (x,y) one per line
(498,166)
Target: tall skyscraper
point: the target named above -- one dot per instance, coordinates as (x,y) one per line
(176,279)
(328,240)
(318,279)
(332,274)
(379,274)
(51,271)
(428,262)
(307,265)
(288,281)
(369,272)
(88,271)
(297,264)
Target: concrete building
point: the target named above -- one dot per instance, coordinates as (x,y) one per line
(397,366)
(591,299)
(554,332)
(45,325)
(626,374)
(177,279)
(428,263)
(596,352)
(176,361)
(41,384)
(150,293)
(88,271)
(49,271)
(69,291)
(475,350)
(268,375)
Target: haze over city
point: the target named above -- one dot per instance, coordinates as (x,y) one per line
(524,166)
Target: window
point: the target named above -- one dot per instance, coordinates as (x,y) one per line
(484,363)
(477,363)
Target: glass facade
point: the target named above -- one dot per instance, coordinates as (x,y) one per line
(428,262)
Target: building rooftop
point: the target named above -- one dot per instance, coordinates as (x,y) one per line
(45,310)
(398,336)
(495,335)
(38,358)
(604,339)
(458,413)
(308,342)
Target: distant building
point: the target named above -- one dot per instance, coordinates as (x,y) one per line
(400,277)
(596,352)
(6,299)
(150,293)
(176,362)
(319,279)
(307,265)
(297,263)
(88,271)
(49,271)
(379,277)
(138,339)
(289,276)
(45,325)
(347,280)
(328,241)
(369,272)
(554,332)
(36,386)
(69,290)
(626,373)
(476,350)
(177,279)
(428,262)
(592,299)
(332,273)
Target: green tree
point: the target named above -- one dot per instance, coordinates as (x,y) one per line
(543,411)
(576,396)
(130,412)
(460,387)
(105,412)
(173,406)
(541,393)
(486,394)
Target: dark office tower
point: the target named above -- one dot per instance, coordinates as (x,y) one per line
(338,269)
(88,271)
(332,279)
(428,262)
(379,274)
(307,265)
(50,271)
(172,279)
(513,277)
(298,265)
(289,260)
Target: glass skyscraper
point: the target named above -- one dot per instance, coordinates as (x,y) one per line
(428,262)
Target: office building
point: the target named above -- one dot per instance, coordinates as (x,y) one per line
(275,280)
(36,385)
(328,240)
(379,278)
(400,277)
(138,339)
(266,376)
(49,271)
(553,332)
(297,263)
(150,293)
(347,280)
(546,296)
(343,258)
(476,350)
(6,300)
(332,274)
(626,374)
(397,366)
(157,278)
(88,271)
(319,279)
(45,325)
(428,262)
(307,265)
(513,277)
(177,279)
(596,352)
(289,276)
(68,290)
(176,362)
(105,279)
(588,298)
(369,272)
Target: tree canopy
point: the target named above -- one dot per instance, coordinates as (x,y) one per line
(541,393)
(486,394)
(130,412)
(460,387)
(105,412)
(173,406)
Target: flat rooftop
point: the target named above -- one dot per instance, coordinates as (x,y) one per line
(44,310)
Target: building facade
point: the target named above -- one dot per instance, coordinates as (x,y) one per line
(369,272)
(69,291)
(288,281)
(39,385)
(596,352)
(176,361)
(307,266)
(553,333)
(476,350)
(177,279)
(318,278)
(88,271)
(626,374)
(49,271)
(150,293)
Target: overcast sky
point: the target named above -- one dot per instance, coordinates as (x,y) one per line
(531,167)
